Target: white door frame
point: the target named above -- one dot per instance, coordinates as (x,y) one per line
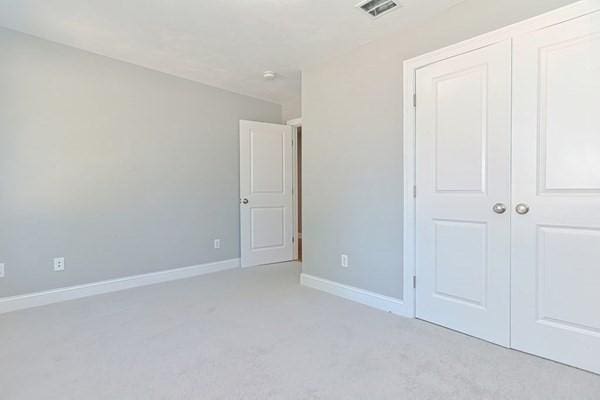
(409,139)
(295,124)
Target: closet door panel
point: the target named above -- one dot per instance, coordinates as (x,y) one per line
(556,181)
(463,169)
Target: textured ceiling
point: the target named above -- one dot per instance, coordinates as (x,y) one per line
(223,43)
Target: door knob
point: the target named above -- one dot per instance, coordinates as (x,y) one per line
(522,208)
(499,208)
(245,201)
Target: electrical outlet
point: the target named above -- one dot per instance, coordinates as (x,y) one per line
(217,243)
(1,270)
(59,264)
(344,260)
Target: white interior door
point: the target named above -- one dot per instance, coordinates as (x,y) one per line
(556,153)
(266,213)
(463,170)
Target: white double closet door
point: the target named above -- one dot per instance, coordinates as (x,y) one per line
(508,204)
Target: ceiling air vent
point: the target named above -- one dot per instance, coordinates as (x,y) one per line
(376,8)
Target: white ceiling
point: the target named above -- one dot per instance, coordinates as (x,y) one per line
(223,43)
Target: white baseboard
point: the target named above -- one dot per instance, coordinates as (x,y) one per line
(371,299)
(20,302)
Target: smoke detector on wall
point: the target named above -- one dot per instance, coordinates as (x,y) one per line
(269,75)
(377,8)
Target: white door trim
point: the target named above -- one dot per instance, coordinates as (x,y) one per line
(295,124)
(409,127)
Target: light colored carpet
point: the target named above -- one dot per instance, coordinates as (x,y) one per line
(257,334)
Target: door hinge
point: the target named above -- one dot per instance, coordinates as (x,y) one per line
(415,191)
(414,281)
(293,239)
(414,99)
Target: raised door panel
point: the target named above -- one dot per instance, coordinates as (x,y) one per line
(267,161)
(268,227)
(461,262)
(560,272)
(569,116)
(461,130)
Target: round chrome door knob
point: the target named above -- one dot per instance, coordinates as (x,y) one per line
(245,201)
(499,208)
(522,208)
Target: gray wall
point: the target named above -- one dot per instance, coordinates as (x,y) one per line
(291,109)
(352,145)
(119,169)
